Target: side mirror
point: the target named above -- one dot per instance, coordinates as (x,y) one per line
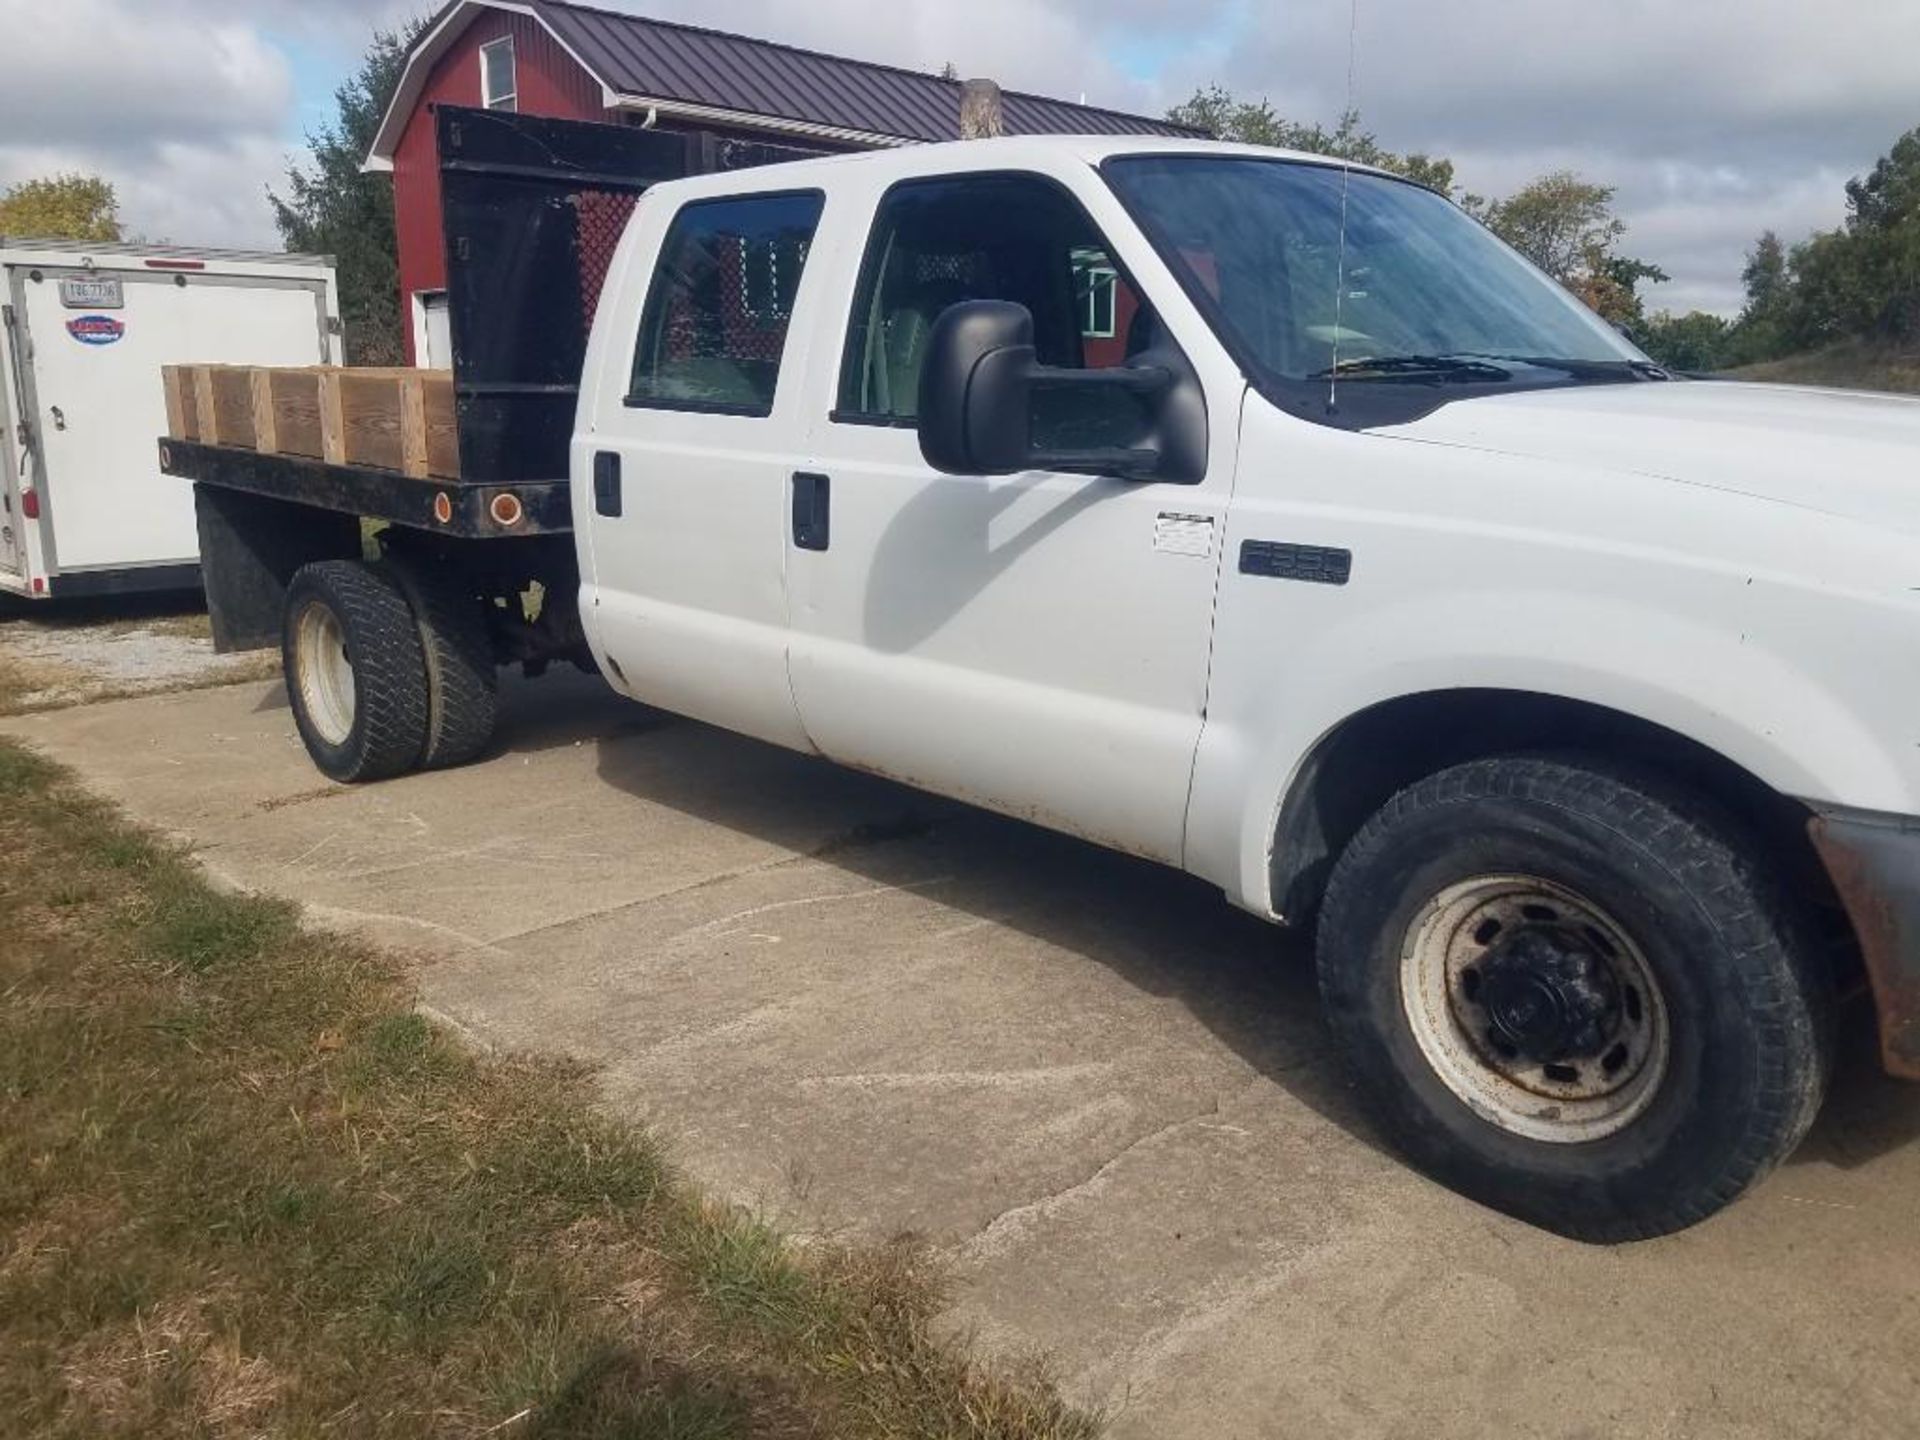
(984,395)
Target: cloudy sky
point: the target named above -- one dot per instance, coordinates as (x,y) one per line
(1714,118)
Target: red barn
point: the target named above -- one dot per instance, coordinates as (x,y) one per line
(573,62)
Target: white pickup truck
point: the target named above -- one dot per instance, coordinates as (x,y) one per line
(1271,519)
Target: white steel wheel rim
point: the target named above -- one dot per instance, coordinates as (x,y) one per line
(324,672)
(1456,936)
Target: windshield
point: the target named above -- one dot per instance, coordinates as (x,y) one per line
(1430,297)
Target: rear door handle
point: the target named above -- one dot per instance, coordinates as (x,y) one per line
(810,510)
(606,484)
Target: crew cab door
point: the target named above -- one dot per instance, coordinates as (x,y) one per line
(1036,643)
(681,478)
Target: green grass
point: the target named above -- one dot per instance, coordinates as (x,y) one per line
(245,1189)
(1850,365)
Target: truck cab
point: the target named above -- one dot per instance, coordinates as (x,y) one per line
(1267,517)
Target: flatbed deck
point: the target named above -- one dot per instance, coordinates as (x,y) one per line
(455,508)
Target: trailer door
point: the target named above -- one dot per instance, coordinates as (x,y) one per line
(95,345)
(13,453)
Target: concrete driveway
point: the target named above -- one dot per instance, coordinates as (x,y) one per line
(1104,1093)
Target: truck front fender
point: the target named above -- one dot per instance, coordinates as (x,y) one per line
(1781,721)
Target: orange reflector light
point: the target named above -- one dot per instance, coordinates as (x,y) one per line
(443,507)
(506,510)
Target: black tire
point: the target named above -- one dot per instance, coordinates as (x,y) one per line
(381,644)
(1742,1003)
(462,681)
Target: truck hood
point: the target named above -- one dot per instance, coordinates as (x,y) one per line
(1839,452)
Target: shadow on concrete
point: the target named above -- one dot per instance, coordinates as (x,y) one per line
(93,610)
(1868,1113)
(1166,933)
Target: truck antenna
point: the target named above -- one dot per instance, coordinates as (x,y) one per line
(1346,171)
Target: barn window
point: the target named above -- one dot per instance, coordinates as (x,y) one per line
(1095,283)
(499,88)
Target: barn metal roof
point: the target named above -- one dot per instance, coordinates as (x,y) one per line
(722,78)
(659,59)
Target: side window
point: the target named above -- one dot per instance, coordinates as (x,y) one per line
(981,237)
(722,296)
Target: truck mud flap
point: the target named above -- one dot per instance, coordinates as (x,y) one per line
(1874,862)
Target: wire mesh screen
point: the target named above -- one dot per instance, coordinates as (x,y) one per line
(602,219)
(533,209)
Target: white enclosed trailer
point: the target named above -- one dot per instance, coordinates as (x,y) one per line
(84,507)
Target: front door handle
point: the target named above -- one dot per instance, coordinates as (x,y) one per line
(810,497)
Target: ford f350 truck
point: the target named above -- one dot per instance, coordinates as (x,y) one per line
(1263,516)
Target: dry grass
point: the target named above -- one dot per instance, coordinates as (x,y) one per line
(26,690)
(245,1189)
(55,656)
(24,680)
(1850,365)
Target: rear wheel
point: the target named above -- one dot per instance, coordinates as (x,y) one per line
(356,675)
(462,688)
(1570,993)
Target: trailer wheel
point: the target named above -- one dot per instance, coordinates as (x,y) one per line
(356,675)
(462,682)
(1570,992)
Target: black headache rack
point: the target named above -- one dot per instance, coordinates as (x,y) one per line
(532,210)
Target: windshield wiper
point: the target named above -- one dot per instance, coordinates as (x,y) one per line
(1444,366)
(1592,369)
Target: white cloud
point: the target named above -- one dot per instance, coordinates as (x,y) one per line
(1714,118)
(184,112)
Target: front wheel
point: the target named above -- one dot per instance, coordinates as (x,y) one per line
(1570,993)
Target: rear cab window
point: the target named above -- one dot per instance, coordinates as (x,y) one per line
(720,303)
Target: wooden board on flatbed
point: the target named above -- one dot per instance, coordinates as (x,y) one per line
(389,419)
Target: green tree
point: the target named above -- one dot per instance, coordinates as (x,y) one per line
(1695,342)
(66,206)
(1832,295)
(1859,281)
(1765,274)
(1883,226)
(1761,331)
(1562,223)
(1565,224)
(1612,289)
(1218,112)
(331,207)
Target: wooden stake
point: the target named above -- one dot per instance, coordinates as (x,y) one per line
(333,424)
(266,429)
(209,428)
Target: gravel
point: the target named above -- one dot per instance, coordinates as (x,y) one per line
(52,661)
